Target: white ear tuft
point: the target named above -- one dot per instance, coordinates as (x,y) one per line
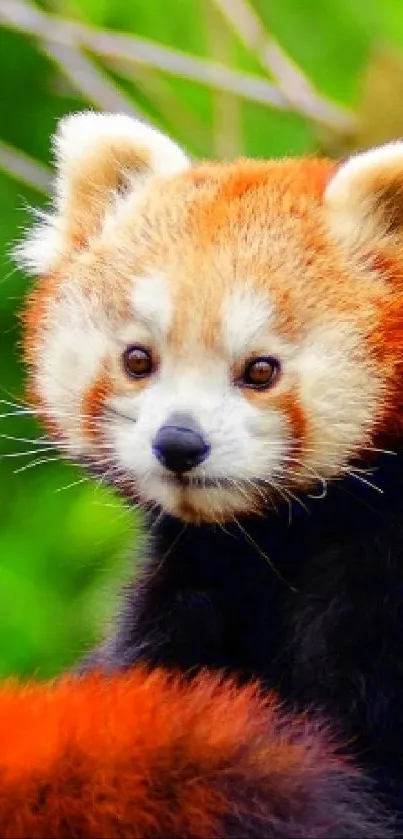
(99,157)
(81,135)
(364,199)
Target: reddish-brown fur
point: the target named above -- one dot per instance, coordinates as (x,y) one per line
(249,206)
(33,319)
(93,401)
(151,756)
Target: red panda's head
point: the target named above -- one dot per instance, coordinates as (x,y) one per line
(215,335)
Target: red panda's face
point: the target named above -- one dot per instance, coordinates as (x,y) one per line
(213,339)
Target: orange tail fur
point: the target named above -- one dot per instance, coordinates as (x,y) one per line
(148,755)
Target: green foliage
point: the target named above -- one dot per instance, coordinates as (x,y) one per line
(64,551)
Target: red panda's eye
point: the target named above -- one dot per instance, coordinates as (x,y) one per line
(260,372)
(137,362)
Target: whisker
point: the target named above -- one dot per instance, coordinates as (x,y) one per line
(363,480)
(284,495)
(287,491)
(282,491)
(36,463)
(23,454)
(108,409)
(258,489)
(15,404)
(298,500)
(245,495)
(73,484)
(39,413)
(39,441)
(258,549)
(174,543)
(21,412)
(159,517)
(381,451)
(315,474)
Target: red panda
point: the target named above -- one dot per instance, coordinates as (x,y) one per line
(224,344)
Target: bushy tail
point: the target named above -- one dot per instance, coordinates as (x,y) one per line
(149,756)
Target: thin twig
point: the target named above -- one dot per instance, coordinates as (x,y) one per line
(171,108)
(18,15)
(22,167)
(227,120)
(290,79)
(88,79)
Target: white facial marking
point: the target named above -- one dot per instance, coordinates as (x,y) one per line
(338,394)
(246,314)
(152,305)
(251,441)
(71,357)
(245,442)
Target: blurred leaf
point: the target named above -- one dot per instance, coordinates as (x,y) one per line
(380,106)
(329,40)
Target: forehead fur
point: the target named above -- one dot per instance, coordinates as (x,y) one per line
(197,242)
(246,316)
(216,229)
(206,234)
(152,305)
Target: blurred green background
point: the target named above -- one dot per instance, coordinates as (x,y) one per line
(225,77)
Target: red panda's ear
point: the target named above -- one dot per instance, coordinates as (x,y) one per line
(99,159)
(364,200)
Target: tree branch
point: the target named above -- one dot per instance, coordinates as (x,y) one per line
(19,15)
(295,86)
(88,79)
(227,109)
(24,168)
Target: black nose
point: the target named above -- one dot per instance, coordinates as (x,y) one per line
(179,444)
